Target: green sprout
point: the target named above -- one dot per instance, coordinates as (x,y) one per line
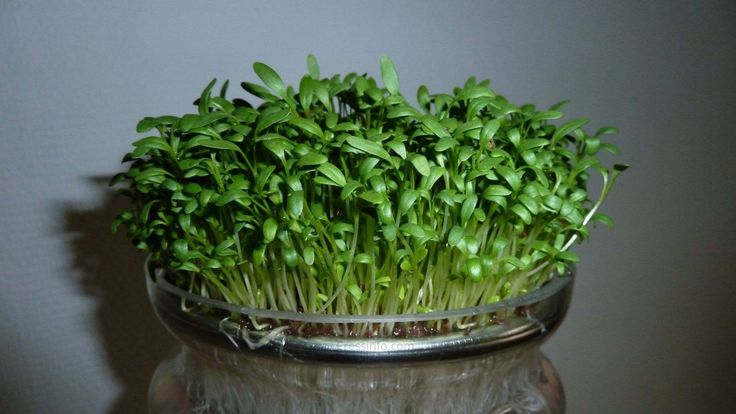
(341,197)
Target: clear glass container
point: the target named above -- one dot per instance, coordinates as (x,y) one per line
(484,359)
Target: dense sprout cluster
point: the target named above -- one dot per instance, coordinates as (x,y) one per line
(341,197)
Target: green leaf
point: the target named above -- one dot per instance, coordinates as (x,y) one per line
(372,197)
(435,173)
(152,173)
(496,190)
(259,255)
(262,177)
(389,232)
(171,185)
(146,124)
(490,129)
(223,89)
(308,126)
(412,229)
(445,144)
(345,127)
(529,203)
(362,258)
(147,210)
(369,147)
(606,130)
(398,147)
(214,264)
(568,257)
(567,128)
(157,143)
(323,95)
(475,92)
(434,126)
(584,164)
(603,218)
(487,264)
(291,257)
(313,66)
(487,163)
(223,247)
(566,209)
(331,120)
(402,112)
(192,188)
(383,281)
(233,195)
(476,105)
(553,202)
(269,229)
(278,147)
(192,122)
(514,262)
(367,169)
(522,212)
(473,269)
(469,128)
(619,168)
(205,196)
(259,91)
(191,206)
(420,163)
(312,158)
(447,197)
(268,119)
(333,173)
(189,267)
(222,145)
(324,181)
(533,143)
(592,145)
(514,136)
(204,98)
(270,78)
(467,209)
(511,176)
(546,115)
(295,203)
(407,200)
(354,291)
(455,236)
(117,179)
(389,76)
(423,97)
(181,249)
(308,255)
(306,92)
(465,153)
(342,227)
(479,215)
(349,189)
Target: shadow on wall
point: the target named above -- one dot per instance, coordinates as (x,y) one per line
(108,268)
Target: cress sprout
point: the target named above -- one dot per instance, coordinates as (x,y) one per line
(341,197)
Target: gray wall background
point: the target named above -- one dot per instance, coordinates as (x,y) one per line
(652,323)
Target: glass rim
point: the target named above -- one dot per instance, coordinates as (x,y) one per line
(553,286)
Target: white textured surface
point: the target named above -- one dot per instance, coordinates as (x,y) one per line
(650,329)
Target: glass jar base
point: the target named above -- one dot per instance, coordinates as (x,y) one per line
(222,382)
